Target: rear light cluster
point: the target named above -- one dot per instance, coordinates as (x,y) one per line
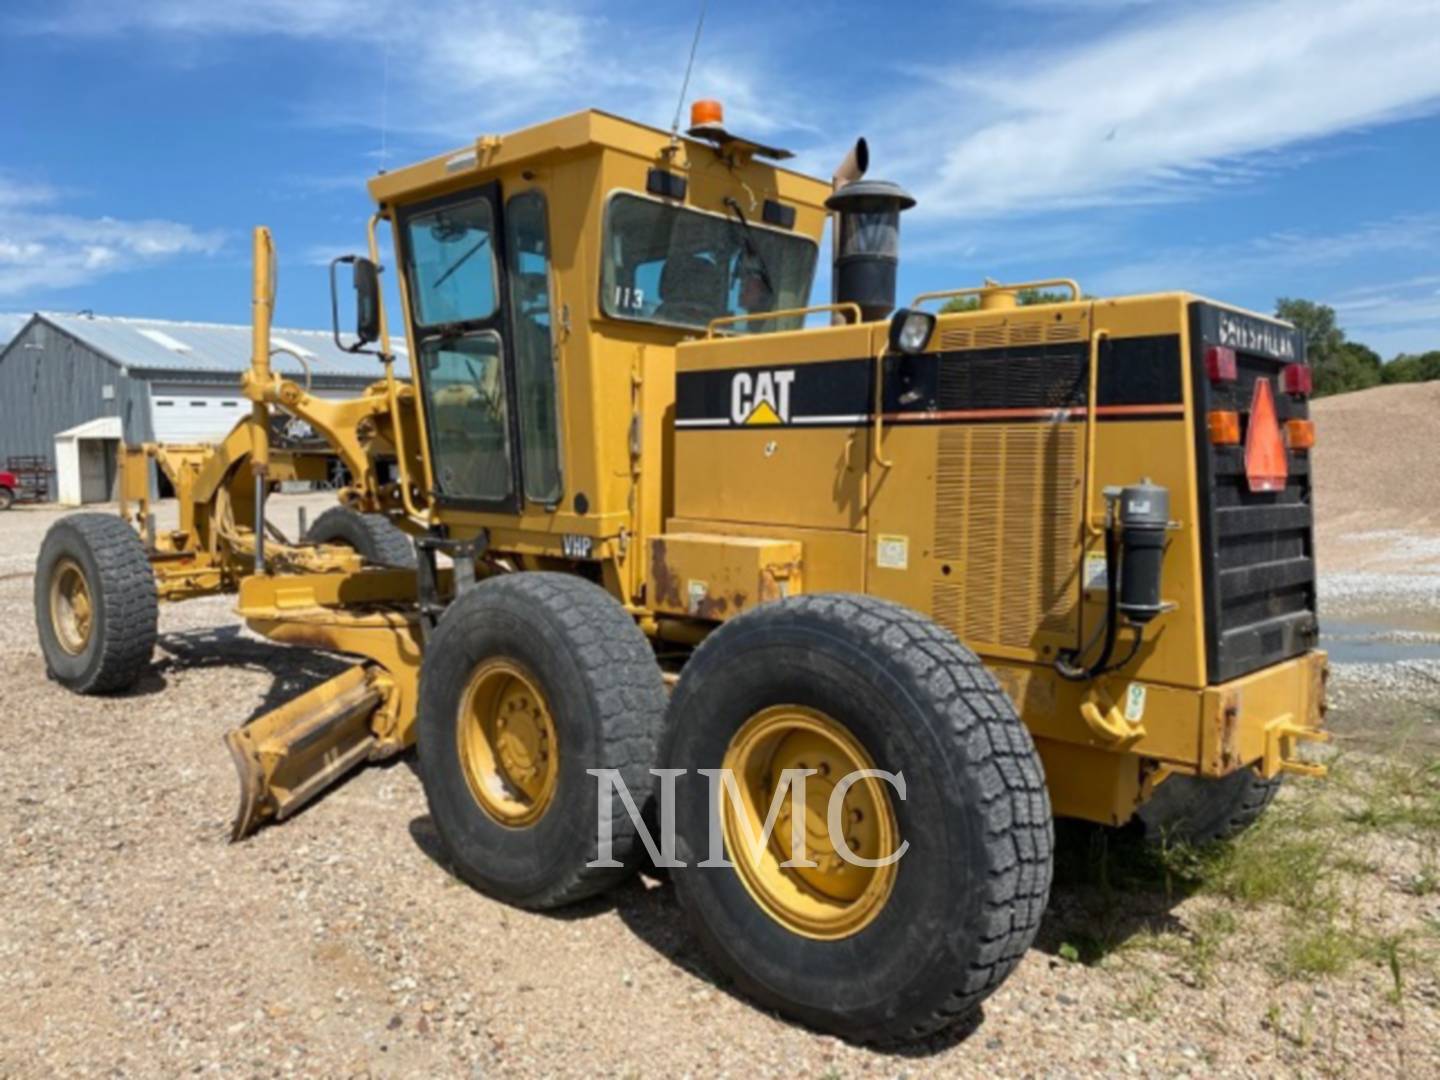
(1222,366)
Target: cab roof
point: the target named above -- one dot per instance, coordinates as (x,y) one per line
(553,138)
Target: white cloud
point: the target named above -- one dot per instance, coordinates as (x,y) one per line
(457,67)
(1182,103)
(1138,100)
(1276,256)
(1407,310)
(44,249)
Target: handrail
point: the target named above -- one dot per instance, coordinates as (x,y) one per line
(761,316)
(1092,393)
(880,459)
(977,290)
(392,390)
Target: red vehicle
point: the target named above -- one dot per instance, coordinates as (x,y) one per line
(9,484)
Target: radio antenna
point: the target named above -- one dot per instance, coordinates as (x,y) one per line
(689,67)
(385,109)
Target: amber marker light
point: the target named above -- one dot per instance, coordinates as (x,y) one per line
(1225,428)
(1300,434)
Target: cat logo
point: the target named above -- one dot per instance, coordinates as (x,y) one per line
(761,397)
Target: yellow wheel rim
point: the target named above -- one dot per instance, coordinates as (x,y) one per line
(508,749)
(835,898)
(72,612)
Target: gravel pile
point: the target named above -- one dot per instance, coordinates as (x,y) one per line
(137,941)
(1377,479)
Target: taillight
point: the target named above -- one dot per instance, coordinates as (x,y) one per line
(1266,465)
(1300,434)
(1296,379)
(1220,364)
(1225,428)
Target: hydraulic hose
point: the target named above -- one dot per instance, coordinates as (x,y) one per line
(1065,663)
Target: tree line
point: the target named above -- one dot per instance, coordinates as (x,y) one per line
(1340,365)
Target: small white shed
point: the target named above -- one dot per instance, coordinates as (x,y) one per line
(87,462)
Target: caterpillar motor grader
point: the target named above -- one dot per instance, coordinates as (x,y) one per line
(640,506)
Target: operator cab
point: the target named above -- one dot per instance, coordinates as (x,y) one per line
(534,265)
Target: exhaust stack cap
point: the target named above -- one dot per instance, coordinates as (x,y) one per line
(867,255)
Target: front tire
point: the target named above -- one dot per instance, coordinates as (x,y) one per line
(372,536)
(863,680)
(7,498)
(530,680)
(96,607)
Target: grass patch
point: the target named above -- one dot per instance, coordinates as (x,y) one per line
(1394,795)
(1143,1003)
(1326,949)
(1305,862)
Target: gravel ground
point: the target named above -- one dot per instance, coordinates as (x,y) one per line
(139,942)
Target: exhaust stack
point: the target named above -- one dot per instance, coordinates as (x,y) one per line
(867,248)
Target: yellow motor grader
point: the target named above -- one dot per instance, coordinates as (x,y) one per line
(644,517)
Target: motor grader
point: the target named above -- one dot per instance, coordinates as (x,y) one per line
(643,515)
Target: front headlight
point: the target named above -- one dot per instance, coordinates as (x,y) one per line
(910,331)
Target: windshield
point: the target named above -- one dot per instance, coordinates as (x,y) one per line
(669,264)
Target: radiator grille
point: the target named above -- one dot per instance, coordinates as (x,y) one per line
(1007,515)
(1030,332)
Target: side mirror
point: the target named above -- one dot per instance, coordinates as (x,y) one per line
(366,281)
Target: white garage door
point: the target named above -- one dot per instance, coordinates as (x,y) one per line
(189,414)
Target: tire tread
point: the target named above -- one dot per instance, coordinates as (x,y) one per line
(127,597)
(619,667)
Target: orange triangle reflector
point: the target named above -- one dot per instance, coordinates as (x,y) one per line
(1265,465)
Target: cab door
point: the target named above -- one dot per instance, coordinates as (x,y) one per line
(454,263)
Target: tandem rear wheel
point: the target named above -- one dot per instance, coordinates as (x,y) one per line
(529,681)
(1196,811)
(872,950)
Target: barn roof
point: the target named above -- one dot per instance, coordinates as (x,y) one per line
(162,345)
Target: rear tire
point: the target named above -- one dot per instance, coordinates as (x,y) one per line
(372,536)
(967,895)
(96,607)
(7,498)
(1196,811)
(564,640)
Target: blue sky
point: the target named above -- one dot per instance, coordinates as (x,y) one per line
(1243,150)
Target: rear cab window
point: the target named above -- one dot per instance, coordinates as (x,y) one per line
(679,266)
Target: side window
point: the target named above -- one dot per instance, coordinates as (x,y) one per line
(452,264)
(529,255)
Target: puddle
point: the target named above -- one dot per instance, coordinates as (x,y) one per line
(1358,642)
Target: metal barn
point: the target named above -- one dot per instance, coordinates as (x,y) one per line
(72,387)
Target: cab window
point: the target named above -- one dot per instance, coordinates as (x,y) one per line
(452,263)
(464,381)
(528,251)
(683,267)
